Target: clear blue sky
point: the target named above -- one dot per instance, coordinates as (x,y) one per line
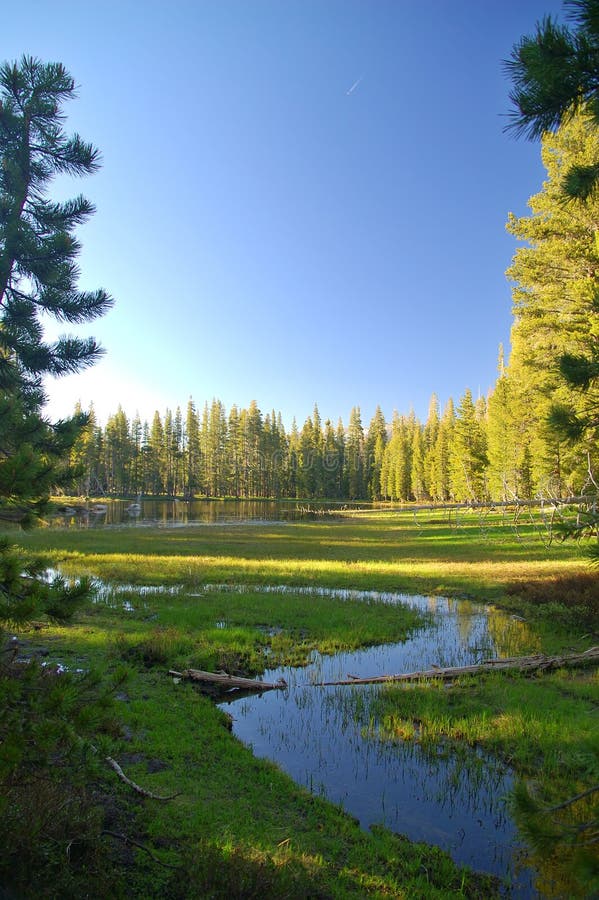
(300,201)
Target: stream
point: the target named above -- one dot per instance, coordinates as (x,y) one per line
(322,736)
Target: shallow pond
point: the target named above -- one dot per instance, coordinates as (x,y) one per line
(324,738)
(173,513)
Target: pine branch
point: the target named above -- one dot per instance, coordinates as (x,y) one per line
(571,800)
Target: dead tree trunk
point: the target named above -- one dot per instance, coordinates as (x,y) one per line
(513,663)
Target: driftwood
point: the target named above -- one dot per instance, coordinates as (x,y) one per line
(229,682)
(513,663)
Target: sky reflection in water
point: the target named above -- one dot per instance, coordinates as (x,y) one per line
(321,737)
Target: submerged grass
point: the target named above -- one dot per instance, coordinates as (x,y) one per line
(545,728)
(239,827)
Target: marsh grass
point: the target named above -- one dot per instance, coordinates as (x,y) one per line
(432,552)
(544,728)
(240,827)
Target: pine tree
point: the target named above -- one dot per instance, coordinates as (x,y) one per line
(354,456)
(468,452)
(318,454)
(376,441)
(38,277)
(418,473)
(293,464)
(431,428)
(136,467)
(155,460)
(192,451)
(234,453)
(37,245)
(44,720)
(117,452)
(397,461)
(508,440)
(342,451)
(252,434)
(332,461)
(556,286)
(441,483)
(555,75)
(306,481)
(216,449)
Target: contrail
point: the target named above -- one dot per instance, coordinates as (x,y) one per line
(354,86)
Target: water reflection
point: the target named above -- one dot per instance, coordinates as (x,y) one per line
(173,513)
(325,739)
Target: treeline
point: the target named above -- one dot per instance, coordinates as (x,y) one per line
(506,445)
(460,453)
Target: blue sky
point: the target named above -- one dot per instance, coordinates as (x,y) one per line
(267,231)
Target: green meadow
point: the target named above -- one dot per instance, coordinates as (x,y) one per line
(239,827)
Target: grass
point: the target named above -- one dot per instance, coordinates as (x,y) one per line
(469,554)
(544,728)
(240,827)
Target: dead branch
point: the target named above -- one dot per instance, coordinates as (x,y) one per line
(229,682)
(514,663)
(136,787)
(130,842)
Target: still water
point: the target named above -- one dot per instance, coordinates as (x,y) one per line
(172,513)
(325,738)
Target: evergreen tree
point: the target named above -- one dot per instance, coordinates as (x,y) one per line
(38,277)
(317,454)
(376,441)
(418,473)
(192,451)
(468,453)
(508,441)
(205,450)
(440,468)
(274,448)
(293,464)
(354,456)
(555,74)
(44,720)
(216,450)
(307,445)
(557,313)
(84,456)
(155,467)
(253,425)
(38,248)
(397,461)
(234,453)
(431,429)
(117,452)
(136,466)
(342,451)
(332,461)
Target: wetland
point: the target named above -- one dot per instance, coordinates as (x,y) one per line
(339,791)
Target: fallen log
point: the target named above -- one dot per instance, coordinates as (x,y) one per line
(513,663)
(229,682)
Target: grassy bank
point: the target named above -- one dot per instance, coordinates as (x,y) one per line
(239,827)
